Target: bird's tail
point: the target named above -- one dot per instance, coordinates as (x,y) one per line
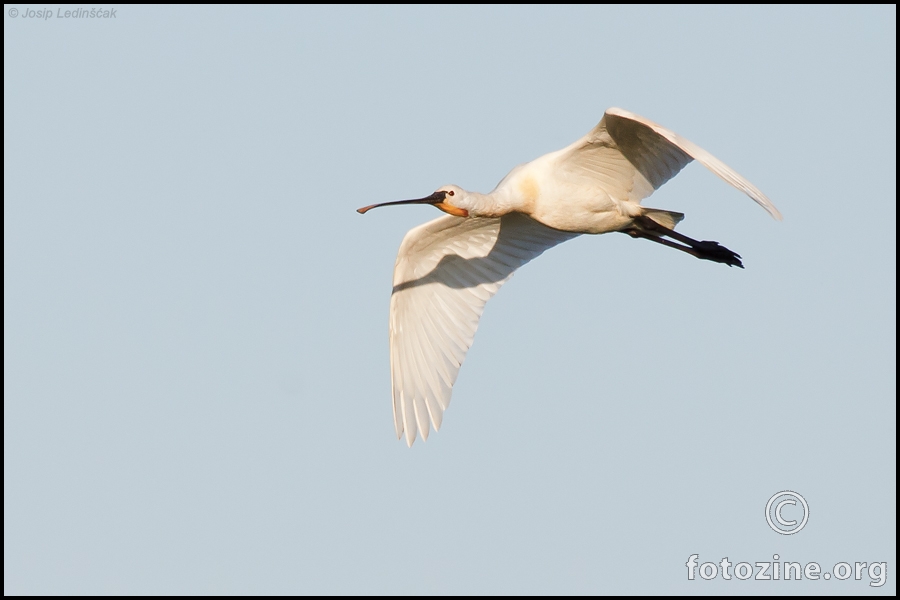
(667,218)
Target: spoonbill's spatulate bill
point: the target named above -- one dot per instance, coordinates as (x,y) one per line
(447,269)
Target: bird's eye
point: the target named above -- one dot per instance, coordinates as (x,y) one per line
(450,193)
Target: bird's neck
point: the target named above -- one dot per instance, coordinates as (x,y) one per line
(496,204)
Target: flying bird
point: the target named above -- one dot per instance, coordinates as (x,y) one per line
(447,269)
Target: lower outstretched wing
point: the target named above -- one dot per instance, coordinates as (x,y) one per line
(446,271)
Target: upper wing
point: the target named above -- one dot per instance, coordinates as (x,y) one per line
(446,271)
(633,156)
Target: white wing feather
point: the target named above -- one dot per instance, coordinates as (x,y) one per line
(446,271)
(632,156)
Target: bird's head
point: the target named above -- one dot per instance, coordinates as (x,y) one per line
(451,199)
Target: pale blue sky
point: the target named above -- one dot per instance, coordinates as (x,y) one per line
(196,378)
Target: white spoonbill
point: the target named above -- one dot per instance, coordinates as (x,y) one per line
(447,269)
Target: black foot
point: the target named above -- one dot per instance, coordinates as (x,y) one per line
(718,253)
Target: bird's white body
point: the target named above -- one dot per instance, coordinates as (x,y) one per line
(567,204)
(447,269)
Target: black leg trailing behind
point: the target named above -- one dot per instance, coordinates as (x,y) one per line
(647,228)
